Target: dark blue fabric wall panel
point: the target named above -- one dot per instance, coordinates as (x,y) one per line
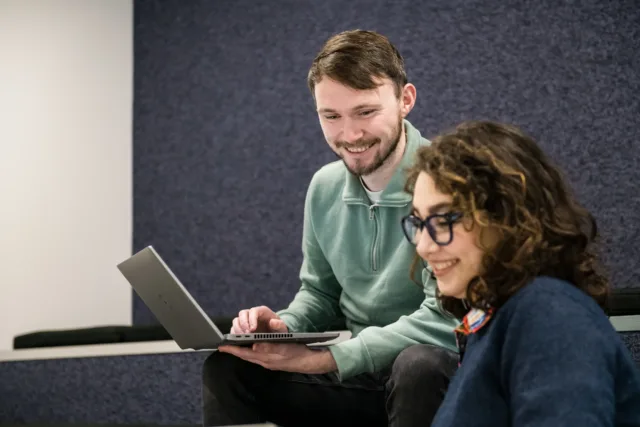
(226,138)
(153,389)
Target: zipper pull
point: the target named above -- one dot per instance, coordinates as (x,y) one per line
(371,211)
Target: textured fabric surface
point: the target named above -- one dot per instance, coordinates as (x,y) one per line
(226,137)
(156,389)
(632,341)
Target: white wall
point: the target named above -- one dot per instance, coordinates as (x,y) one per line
(66,76)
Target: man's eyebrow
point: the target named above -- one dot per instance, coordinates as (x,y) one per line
(366,105)
(356,108)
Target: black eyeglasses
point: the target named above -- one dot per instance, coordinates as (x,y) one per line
(439,226)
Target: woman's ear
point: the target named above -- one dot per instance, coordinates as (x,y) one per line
(490,237)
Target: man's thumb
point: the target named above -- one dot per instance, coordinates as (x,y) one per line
(277,325)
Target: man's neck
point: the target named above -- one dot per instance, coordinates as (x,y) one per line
(379,179)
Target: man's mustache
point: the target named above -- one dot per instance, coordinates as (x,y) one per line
(358,144)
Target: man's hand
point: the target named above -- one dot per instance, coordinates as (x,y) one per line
(257,319)
(285,357)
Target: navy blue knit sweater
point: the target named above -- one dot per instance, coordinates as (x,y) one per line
(549,357)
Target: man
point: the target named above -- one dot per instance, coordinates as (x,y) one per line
(355,271)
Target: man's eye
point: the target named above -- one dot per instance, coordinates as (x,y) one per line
(333,117)
(366,113)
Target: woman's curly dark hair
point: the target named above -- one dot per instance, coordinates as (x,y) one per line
(502,181)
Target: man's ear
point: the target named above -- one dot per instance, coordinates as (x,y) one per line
(407,99)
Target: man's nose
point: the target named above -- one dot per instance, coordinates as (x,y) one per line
(351,131)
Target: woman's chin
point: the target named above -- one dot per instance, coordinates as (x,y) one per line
(450,289)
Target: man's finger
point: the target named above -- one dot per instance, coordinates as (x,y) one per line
(247,354)
(253,318)
(277,325)
(263,347)
(235,350)
(241,352)
(258,314)
(235,327)
(243,321)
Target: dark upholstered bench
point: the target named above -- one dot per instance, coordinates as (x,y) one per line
(623,302)
(101,335)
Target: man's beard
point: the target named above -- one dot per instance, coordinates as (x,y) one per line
(380,157)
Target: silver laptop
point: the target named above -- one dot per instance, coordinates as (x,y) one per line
(180,314)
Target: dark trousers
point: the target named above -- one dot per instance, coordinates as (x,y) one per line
(408,393)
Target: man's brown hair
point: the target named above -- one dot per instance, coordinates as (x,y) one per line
(357,58)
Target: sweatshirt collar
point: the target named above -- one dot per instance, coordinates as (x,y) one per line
(393,194)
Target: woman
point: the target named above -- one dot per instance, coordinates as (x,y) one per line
(511,251)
